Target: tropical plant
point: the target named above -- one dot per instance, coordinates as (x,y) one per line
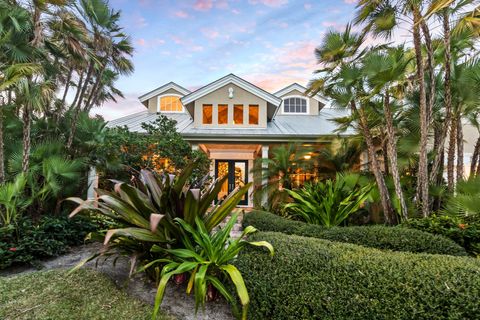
(12,200)
(330,202)
(207,256)
(145,211)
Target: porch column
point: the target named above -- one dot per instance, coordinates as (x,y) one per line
(264,179)
(92,183)
(195,147)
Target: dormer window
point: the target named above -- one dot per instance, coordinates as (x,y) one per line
(295,105)
(169,103)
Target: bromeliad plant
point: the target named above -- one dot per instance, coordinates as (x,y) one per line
(145,213)
(206,256)
(329,203)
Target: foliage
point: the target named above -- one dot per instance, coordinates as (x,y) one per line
(330,202)
(380,237)
(146,212)
(12,200)
(464,230)
(465,200)
(161,149)
(208,260)
(50,237)
(311,278)
(54,295)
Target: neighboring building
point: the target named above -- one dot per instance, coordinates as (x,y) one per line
(235,122)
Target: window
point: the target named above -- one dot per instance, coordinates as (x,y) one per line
(238,114)
(295,105)
(170,104)
(253,114)
(222,113)
(207,111)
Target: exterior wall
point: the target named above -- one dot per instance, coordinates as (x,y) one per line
(153,102)
(313,104)
(240,96)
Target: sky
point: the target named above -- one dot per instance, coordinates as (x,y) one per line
(267,42)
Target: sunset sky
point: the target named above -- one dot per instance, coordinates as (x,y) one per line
(267,42)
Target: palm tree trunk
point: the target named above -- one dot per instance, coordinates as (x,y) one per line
(390,217)
(79,88)
(476,153)
(422,178)
(447,98)
(431,68)
(2,154)
(451,154)
(93,92)
(67,85)
(385,156)
(77,109)
(392,151)
(460,169)
(26,117)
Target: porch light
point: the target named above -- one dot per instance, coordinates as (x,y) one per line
(230,93)
(307,157)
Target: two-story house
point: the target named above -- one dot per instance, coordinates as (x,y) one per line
(235,122)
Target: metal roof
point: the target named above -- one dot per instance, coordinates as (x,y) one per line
(281,128)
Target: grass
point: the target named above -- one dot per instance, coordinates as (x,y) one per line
(84,294)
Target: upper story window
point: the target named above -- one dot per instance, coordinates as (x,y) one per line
(295,105)
(169,103)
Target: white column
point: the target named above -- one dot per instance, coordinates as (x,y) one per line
(195,147)
(264,179)
(92,183)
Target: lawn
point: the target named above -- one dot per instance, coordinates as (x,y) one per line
(85,294)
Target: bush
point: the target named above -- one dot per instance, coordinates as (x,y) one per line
(311,278)
(463,230)
(380,237)
(51,237)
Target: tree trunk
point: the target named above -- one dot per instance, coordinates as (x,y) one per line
(67,85)
(431,70)
(2,154)
(473,164)
(37,27)
(385,155)
(422,178)
(26,117)
(460,169)
(93,92)
(448,96)
(451,154)
(79,88)
(390,217)
(392,155)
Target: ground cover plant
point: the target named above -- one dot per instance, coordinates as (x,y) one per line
(54,295)
(311,278)
(381,237)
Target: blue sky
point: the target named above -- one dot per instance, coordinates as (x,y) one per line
(267,42)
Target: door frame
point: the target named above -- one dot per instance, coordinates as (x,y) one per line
(231,176)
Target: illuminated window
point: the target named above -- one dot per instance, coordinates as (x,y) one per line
(295,105)
(207,111)
(222,114)
(238,114)
(253,114)
(170,104)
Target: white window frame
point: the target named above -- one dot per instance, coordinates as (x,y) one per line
(169,95)
(295,96)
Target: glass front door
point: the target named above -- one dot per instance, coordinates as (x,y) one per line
(237,173)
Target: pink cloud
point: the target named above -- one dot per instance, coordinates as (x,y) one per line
(235,11)
(270,3)
(350,1)
(307,6)
(203,5)
(210,34)
(221,4)
(181,14)
(141,42)
(149,43)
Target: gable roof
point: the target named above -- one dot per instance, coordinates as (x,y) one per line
(161,89)
(231,78)
(302,89)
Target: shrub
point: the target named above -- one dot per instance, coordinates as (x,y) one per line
(310,278)
(380,237)
(464,230)
(329,203)
(50,237)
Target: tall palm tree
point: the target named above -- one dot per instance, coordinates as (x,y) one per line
(342,81)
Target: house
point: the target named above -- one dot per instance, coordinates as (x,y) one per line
(235,122)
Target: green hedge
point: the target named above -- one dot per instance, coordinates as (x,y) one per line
(380,237)
(312,278)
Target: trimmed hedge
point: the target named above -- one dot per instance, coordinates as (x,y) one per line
(311,278)
(380,237)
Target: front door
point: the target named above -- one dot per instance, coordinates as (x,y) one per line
(237,173)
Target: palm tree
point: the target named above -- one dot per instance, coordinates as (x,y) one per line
(342,81)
